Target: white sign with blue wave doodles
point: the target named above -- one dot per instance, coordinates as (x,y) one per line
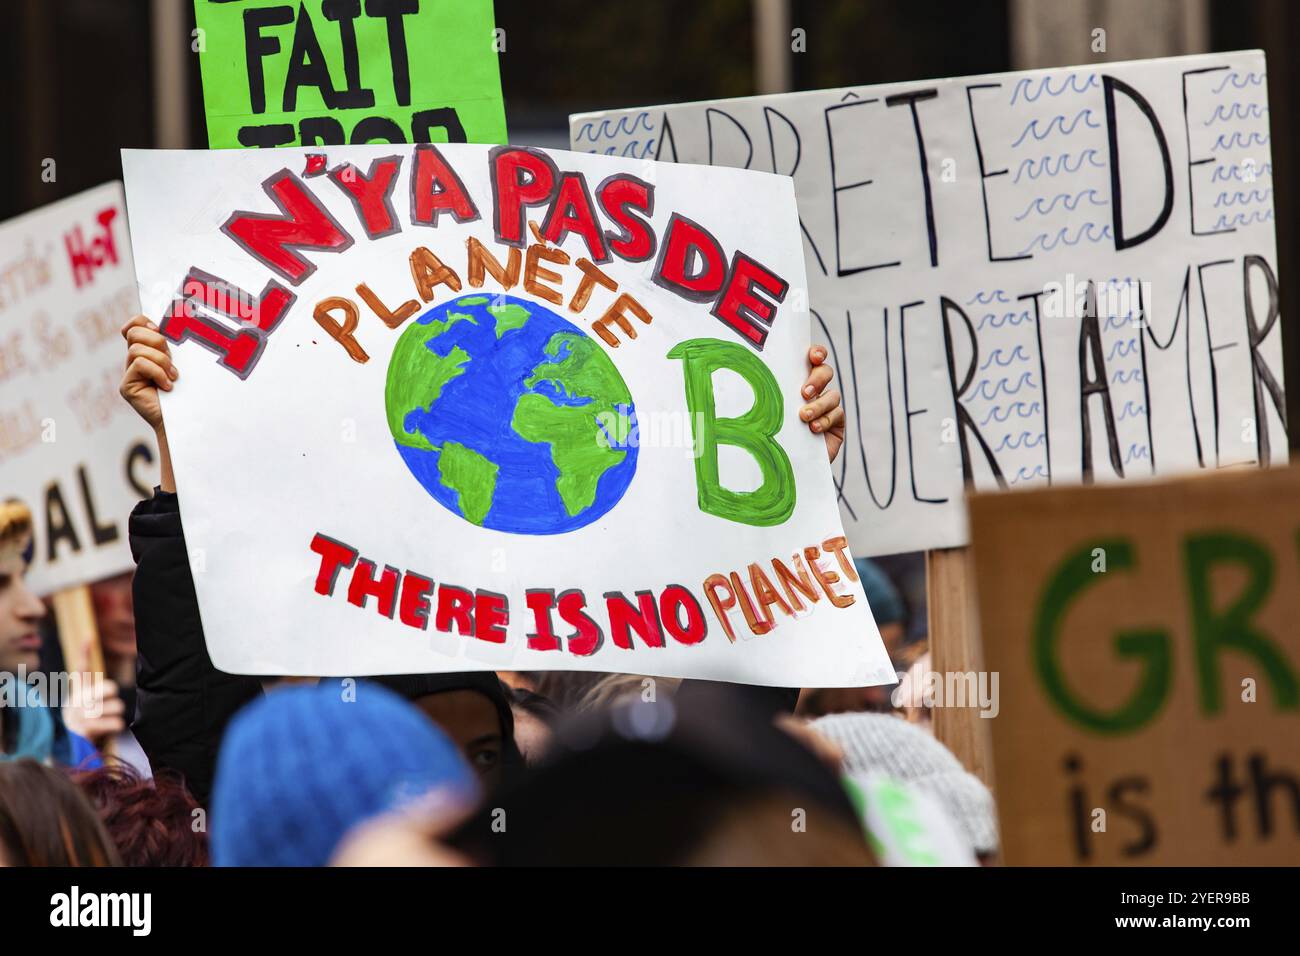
(1055,276)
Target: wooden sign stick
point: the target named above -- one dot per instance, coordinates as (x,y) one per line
(955,649)
(74,612)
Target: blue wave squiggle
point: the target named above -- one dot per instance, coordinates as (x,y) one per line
(984,298)
(1242,219)
(1000,413)
(1057,124)
(1240,81)
(1240,198)
(1062,237)
(1071,84)
(995,358)
(1036,169)
(1070,202)
(1122,348)
(992,320)
(1236,172)
(1236,140)
(624,126)
(1236,111)
(1001,386)
(1023,440)
(1025,474)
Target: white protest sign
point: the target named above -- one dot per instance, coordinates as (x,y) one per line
(1024,278)
(70,448)
(449,408)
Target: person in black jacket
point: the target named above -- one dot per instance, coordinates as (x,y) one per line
(183,702)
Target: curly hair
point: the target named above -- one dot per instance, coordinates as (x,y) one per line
(151,822)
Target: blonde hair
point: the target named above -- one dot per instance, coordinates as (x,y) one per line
(15,528)
(614,687)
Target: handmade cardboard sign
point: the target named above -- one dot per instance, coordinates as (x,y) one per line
(1149,669)
(70,448)
(277,73)
(1028,278)
(477,408)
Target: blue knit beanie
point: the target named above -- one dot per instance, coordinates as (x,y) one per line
(303,765)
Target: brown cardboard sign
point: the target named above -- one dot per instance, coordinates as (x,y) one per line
(1147,639)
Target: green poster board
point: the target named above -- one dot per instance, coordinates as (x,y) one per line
(327,72)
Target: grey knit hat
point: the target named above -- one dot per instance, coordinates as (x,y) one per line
(902,750)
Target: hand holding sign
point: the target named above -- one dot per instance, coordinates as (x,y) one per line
(524,422)
(98,713)
(823,413)
(1047,277)
(148,368)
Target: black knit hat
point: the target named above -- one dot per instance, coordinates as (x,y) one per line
(414,686)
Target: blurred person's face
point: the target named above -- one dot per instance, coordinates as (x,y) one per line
(842,700)
(115,615)
(20,613)
(532,735)
(470,719)
(518,680)
(910,693)
(892,635)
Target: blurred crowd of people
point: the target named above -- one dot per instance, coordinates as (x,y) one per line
(167,761)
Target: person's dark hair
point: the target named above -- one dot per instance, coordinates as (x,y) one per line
(412,687)
(46,821)
(151,822)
